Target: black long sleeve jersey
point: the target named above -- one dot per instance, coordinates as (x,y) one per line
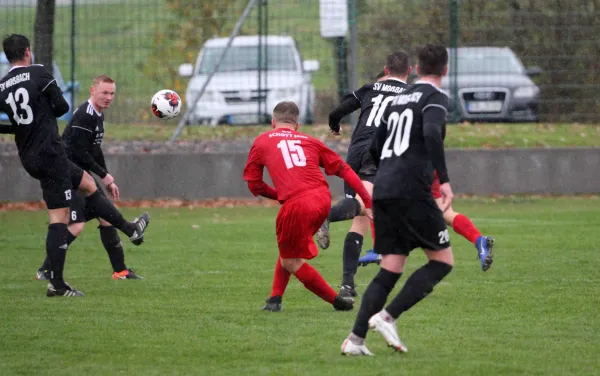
(83,139)
(409,144)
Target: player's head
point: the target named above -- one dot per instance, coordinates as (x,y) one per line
(17,49)
(285,115)
(398,65)
(102,92)
(433,60)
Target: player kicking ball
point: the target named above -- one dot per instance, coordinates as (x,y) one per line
(33,101)
(293,161)
(83,140)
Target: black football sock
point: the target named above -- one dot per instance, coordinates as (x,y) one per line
(374,299)
(347,208)
(418,286)
(46,265)
(107,211)
(352,247)
(114,247)
(56,249)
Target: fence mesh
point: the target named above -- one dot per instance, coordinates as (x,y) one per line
(142,43)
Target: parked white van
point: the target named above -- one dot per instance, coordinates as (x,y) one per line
(232,95)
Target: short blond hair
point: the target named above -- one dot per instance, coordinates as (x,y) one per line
(286,112)
(102,79)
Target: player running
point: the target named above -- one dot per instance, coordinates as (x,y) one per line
(293,161)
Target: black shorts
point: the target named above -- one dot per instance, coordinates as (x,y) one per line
(359,159)
(80,212)
(402,225)
(58,177)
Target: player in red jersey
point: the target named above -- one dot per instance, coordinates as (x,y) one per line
(293,161)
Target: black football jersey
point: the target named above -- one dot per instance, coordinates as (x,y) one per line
(32,100)
(83,139)
(373,99)
(408,145)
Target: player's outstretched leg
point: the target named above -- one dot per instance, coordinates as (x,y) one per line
(114,248)
(105,209)
(417,287)
(314,282)
(373,300)
(462,225)
(281,278)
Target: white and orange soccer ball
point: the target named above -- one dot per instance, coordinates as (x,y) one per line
(166,104)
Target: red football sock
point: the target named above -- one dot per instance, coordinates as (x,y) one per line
(312,280)
(462,225)
(373,232)
(280,279)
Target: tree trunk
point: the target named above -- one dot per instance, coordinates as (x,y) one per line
(44,33)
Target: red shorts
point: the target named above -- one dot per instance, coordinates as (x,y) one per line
(435,186)
(298,221)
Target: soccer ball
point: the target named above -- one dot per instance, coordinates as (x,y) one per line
(166,104)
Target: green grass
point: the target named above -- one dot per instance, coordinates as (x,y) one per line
(208,271)
(458,135)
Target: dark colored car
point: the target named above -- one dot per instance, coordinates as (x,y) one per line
(493,85)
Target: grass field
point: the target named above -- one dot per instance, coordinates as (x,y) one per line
(208,271)
(458,135)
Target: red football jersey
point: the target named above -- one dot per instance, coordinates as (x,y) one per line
(293,160)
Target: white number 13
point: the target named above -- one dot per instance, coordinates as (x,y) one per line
(293,154)
(21,98)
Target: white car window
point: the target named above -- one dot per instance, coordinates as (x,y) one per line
(245,58)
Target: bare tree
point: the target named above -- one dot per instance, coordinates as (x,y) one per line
(44,33)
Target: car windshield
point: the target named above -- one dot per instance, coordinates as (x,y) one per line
(482,63)
(245,58)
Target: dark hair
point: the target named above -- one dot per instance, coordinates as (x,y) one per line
(398,63)
(433,58)
(286,112)
(14,46)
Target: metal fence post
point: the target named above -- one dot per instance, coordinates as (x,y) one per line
(73,48)
(353,54)
(453,5)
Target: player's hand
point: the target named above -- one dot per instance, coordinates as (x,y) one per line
(369,213)
(447,196)
(337,133)
(114,191)
(108,180)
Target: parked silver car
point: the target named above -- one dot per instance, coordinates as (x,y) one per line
(232,95)
(493,85)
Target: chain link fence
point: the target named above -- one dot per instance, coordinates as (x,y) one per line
(545,64)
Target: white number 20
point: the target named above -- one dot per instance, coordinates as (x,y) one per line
(292,152)
(444,236)
(401,125)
